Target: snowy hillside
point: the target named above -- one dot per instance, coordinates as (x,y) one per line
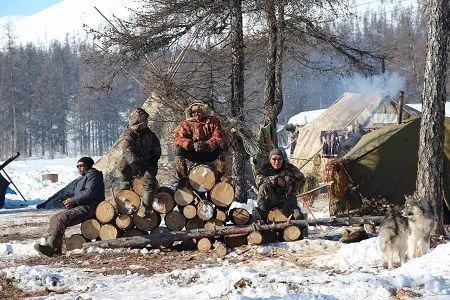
(65,17)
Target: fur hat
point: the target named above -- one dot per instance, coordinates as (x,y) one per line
(137,117)
(87,161)
(207,111)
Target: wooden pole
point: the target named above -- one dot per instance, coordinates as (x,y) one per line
(401,102)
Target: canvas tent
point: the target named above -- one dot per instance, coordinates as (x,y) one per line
(383,164)
(351,111)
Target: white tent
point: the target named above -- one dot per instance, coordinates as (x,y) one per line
(418,106)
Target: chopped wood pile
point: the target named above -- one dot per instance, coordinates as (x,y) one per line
(200,208)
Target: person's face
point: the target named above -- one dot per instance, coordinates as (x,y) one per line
(197,112)
(276,161)
(81,167)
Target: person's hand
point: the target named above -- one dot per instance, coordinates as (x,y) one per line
(137,168)
(281,182)
(190,147)
(68,203)
(200,146)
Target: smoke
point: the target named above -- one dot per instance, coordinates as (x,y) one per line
(389,84)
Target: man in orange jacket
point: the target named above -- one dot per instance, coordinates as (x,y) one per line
(200,139)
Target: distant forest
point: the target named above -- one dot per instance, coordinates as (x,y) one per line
(54,101)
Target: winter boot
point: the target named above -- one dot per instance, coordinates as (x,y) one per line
(124,185)
(50,247)
(297,214)
(147,201)
(259,215)
(221,167)
(182,170)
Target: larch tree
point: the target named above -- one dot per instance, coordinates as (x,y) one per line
(431,140)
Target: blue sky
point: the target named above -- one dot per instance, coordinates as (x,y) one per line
(23,7)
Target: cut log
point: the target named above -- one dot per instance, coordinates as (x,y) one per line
(148,223)
(205,210)
(212,224)
(75,241)
(174,220)
(195,223)
(204,244)
(133,232)
(108,232)
(235,240)
(292,233)
(137,186)
(220,249)
(124,222)
(239,216)
(90,229)
(202,178)
(172,236)
(163,202)
(190,211)
(255,238)
(105,212)
(128,202)
(183,196)
(221,215)
(222,194)
(276,215)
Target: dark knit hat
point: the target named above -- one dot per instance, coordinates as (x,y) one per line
(277,151)
(89,162)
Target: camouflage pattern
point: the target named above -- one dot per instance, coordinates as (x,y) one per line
(141,145)
(271,195)
(138,118)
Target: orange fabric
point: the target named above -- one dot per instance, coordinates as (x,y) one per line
(208,130)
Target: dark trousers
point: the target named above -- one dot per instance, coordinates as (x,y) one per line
(198,157)
(70,217)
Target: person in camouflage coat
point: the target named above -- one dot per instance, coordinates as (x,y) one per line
(200,139)
(89,192)
(278,184)
(141,151)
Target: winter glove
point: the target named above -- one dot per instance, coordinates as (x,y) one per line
(137,168)
(281,182)
(200,146)
(190,147)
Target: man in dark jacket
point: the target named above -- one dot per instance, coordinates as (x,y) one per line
(141,152)
(88,193)
(200,139)
(278,184)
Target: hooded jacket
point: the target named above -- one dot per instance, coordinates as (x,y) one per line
(89,189)
(266,174)
(208,130)
(141,145)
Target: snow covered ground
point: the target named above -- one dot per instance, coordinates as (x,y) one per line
(313,268)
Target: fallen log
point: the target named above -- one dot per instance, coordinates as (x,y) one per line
(173,236)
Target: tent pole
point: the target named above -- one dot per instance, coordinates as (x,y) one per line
(17,189)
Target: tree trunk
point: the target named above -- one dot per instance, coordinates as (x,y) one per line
(273,95)
(431,140)
(238,154)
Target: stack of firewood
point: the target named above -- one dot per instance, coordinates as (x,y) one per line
(204,203)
